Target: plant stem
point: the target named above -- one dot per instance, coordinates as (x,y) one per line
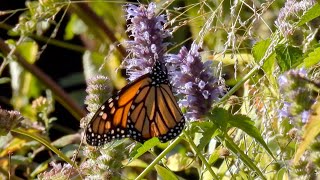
(91,19)
(43,142)
(59,93)
(202,158)
(158,158)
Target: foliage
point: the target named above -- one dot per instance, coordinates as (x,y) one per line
(246,77)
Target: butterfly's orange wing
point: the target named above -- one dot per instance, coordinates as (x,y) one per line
(143,109)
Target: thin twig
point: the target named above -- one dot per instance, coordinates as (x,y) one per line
(59,93)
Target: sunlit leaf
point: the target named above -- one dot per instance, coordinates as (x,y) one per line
(179,162)
(259,51)
(288,56)
(135,163)
(165,174)
(312,59)
(145,147)
(28,50)
(311,130)
(309,15)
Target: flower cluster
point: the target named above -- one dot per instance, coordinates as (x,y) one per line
(195,81)
(99,89)
(297,95)
(148,34)
(190,77)
(59,171)
(9,120)
(290,14)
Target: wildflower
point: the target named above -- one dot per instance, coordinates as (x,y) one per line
(297,96)
(9,120)
(148,34)
(59,171)
(290,14)
(99,89)
(195,80)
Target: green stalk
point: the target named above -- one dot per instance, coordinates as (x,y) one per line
(158,158)
(43,142)
(202,158)
(238,152)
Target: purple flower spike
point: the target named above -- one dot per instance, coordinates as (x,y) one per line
(195,80)
(148,34)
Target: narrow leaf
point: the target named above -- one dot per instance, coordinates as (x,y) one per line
(165,174)
(311,130)
(4,80)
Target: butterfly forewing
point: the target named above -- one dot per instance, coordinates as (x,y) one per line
(143,109)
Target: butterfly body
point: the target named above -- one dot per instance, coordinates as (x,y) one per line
(143,109)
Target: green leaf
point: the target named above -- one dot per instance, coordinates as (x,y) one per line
(247,125)
(220,117)
(282,174)
(311,14)
(39,169)
(259,49)
(4,80)
(311,130)
(43,142)
(242,122)
(179,162)
(312,59)
(19,159)
(135,163)
(214,156)
(288,57)
(145,147)
(204,131)
(165,174)
(28,50)
(74,27)
(244,158)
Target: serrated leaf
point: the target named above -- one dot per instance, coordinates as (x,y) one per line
(312,59)
(146,147)
(259,51)
(179,162)
(311,130)
(165,174)
(288,57)
(247,125)
(204,131)
(309,15)
(220,117)
(244,157)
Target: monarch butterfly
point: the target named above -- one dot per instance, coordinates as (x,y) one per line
(143,109)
